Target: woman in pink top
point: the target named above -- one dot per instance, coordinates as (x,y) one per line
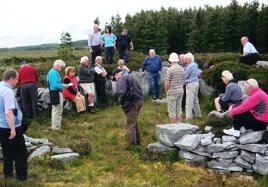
(252,113)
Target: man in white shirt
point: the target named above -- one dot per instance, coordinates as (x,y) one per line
(250,54)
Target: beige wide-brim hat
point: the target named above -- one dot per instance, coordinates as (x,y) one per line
(174,57)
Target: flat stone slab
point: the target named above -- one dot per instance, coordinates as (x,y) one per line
(224,166)
(39,151)
(158,147)
(67,157)
(251,137)
(191,156)
(58,150)
(168,134)
(261,165)
(255,148)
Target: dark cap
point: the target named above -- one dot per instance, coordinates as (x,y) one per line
(115,71)
(125,30)
(23,63)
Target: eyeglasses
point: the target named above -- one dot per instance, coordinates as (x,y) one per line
(122,64)
(71,71)
(248,84)
(223,77)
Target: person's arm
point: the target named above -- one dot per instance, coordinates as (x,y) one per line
(160,64)
(90,42)
(227,94)
(70,88)
(11,123)
(144,66)
(247,105)
(131,46)
(166,85)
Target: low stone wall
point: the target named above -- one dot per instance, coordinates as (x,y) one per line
(226,153)
(38,147)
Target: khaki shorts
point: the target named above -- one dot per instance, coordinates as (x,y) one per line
(174,105)
(88,88)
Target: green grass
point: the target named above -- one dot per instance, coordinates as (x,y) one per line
(106,159)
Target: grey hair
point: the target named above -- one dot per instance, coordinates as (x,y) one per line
(59,63)
(190,56)
(252,83)
(97,58)
(83,59)
(120,61)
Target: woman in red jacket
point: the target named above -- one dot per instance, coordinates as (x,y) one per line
(72,91)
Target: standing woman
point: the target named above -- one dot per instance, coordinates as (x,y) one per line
(72,91)
(109,39)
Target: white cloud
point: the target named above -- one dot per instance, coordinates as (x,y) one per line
(33,22)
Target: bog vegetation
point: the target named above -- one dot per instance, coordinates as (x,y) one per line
(101,142)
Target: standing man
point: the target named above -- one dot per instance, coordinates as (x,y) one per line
(192,87)
(94,43)
(250,54)
(100,80)
(86,81)
(122,42)
(131,100)
(55,85)
(11,135)
(28,79)
(174,81)
(154,68)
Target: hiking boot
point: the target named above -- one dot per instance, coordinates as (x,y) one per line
(232,132)
(91,110)
(96,110)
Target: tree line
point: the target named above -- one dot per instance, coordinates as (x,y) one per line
(202,30)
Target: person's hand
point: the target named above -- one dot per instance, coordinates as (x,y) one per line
(140,109)
(230,107)
(12,134)
(90,51)
(142,73)
(78,94)
(131,49)
(114,48)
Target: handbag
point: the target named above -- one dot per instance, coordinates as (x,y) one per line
(54,97)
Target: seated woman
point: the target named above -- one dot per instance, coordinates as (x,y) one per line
(72,91)
(233,93)
(121,65)
(252,113)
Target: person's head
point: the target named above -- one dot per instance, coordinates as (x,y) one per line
(189,57)
(59,65)
(226,76)
(84,60)
(96,28)
(108,29)
(117,73)
(182,58)
(173,58)
(24,63)
(98,60)
(10,76)
(152,53)
(121,62)
(244,40)
(125,31)
(70,71)
(250,85)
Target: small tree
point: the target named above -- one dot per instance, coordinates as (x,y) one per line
(65,50)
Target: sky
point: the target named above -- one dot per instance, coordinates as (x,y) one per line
(35,22)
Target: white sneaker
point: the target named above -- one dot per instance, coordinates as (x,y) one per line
(242,130)
(232,132)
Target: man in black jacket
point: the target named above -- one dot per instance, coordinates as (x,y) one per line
(86,81)
(131,100)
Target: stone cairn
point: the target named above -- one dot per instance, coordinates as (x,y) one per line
(39,147)
(228,154)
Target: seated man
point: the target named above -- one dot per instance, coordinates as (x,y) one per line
(252,113)
(233,93)
(250,54)
(123,67)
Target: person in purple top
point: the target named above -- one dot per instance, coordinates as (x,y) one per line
(95,43)
(131,100)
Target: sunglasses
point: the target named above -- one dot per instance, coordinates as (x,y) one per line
(71,71)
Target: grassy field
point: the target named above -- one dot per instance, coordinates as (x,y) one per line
(106,160)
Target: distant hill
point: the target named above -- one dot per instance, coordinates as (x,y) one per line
(53,46)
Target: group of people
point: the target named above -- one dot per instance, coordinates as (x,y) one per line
(111,42)
(181,79)
(249,114)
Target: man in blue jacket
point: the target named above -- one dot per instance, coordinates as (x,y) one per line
(154,68)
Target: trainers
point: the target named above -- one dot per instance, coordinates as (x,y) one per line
(154,98)
(243,130)
(232,132)
(160,97)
